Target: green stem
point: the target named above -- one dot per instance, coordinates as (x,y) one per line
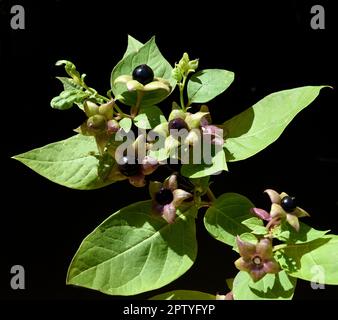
(135,110)
(95,93)
(121,113)
(211,195)
(279,247)
(181,87)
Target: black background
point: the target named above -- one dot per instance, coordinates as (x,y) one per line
(270,47)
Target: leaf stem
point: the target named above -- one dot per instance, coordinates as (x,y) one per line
(211,195)
(136,108)
(181,87)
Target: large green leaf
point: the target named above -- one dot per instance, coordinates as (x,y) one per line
(312,261)
(149,117)
(286,233)
(133,46)
(205,85)
(133,252)
(184,295)
(147,54)
(193,170)
(278,286)
(67,162)
(257,127)
(223,219)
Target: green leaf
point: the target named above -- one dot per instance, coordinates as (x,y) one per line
(68,162)
(278,286)
(257,127)
(70,69)
(148,54)
(205,85)
(69,84)
(126,124)
(192,170)
(312,261)
(149,117)
(66,99)
(286,233)
(133,252)
(223,219)
(184,295)
(133,46)
(256,225)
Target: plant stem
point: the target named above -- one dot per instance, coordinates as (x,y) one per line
(136,108)
(279,246)
(121,113)
(211,195)
(181,87)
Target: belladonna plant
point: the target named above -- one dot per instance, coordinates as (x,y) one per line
(149,244)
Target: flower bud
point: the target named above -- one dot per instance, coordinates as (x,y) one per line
(112,126)
(194,119)
(106,109)
(177,74)
(193,65)
(97,123)
(177,113)
(90,108)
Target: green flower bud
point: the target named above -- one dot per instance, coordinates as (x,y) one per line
(177,114)
(193,64)
(106,110)
(90,108)
(97,123)
(112,126)
(194,119)
(177,74)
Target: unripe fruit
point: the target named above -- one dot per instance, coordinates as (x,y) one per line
(97,123)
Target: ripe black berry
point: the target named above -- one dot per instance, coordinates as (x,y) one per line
(288,204)
(164,196)
(177,124)
(143,74)
(129,166)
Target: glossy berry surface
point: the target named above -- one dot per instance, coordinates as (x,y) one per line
(164,196)
(288,204)
(177,124)
(129,167)
(143,74)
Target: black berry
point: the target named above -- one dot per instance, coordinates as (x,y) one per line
(177,124)
(288,204)
(129,166)
(143,74)
(164,196)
